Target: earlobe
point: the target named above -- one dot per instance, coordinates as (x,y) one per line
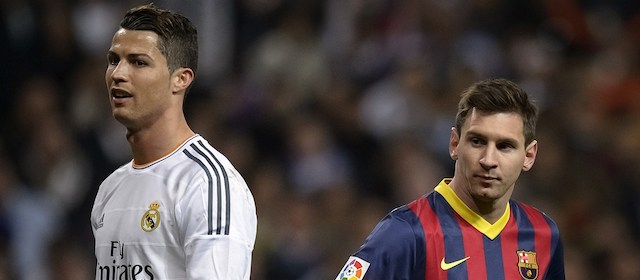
(454,139)
(183,77)
(530,155)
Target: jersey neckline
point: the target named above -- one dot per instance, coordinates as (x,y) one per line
(475,220)
(146,165)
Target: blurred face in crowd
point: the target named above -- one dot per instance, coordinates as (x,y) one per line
(490,153)
(138,79)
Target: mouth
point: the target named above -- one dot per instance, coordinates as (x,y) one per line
(487,178)
(120,94)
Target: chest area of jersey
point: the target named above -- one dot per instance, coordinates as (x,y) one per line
(463,251)
(140,208)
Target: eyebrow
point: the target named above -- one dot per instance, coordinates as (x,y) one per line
(501,139)
(131,55)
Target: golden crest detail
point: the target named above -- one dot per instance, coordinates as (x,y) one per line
(527,264)
(151,219)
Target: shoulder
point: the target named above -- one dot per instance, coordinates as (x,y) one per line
(395,248)
(207,175)
(203,169)
(397,234)
(109,183)
(530,216)
(197,152)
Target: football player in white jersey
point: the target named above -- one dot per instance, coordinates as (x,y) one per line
(179,209)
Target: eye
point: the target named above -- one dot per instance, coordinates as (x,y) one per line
(113,60)
(506,146)
(139,63)
(476,141)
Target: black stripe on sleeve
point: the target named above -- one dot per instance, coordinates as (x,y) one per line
(219,188)
(210,191)
(226,189)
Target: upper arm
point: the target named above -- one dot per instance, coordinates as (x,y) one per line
(556,264)
(394,250)
(217,222)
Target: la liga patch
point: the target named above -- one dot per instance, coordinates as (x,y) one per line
(354,269)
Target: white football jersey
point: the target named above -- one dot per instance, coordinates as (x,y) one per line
(188,215)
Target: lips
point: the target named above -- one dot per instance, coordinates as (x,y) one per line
(117,93)
(486,177)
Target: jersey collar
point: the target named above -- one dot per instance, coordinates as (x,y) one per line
(479,223)
(145,165)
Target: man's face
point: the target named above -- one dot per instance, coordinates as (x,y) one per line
(138,80)
(490,153)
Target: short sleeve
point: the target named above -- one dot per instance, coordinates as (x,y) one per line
(217,221)
(394,249)
(556,264)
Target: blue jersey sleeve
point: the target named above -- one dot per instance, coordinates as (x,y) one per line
(556,265)
(395,249)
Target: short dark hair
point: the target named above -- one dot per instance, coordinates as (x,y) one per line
(178,37)
(498,96)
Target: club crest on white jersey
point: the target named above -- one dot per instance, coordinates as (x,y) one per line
(151,219)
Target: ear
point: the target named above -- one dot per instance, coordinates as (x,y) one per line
(530,155)
(182,79)
(454,140)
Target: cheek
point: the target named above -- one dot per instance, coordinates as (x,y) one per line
(156,90)
(148,81)
(515,164)
(107,76)
(468,156)
(465,163)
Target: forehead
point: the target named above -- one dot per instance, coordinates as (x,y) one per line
(495,125)
(135,41)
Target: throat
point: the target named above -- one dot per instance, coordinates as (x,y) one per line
(491,211)
(148,147)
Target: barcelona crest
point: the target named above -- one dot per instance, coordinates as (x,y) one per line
(527,265)
(151,219)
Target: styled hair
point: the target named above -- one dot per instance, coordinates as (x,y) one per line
(178,37)
(498,96)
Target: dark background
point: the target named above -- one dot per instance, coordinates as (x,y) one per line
(335,112)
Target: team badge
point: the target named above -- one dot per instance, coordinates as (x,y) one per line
(151,219)
(354,269)
(527,264)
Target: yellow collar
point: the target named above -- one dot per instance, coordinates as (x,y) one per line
(478,222)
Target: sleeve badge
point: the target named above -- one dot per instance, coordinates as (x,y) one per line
(354,269)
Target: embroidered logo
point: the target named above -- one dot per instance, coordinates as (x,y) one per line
(151,219)
(354,269)
(527,264)
(446,266)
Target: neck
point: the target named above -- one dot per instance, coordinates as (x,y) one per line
(154,142)
(489,209)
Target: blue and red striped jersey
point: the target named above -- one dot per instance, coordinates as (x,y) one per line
(438,237)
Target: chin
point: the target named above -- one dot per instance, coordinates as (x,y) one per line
(484,197)
(122,118)
(486,194)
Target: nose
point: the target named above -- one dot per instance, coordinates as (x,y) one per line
(117,73)
(488,160)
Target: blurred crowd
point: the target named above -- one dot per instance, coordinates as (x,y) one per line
(335,112)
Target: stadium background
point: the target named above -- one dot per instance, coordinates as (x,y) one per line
(335,111)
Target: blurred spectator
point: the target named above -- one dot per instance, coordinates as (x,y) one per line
(315,162)
(31,222)
(290,57)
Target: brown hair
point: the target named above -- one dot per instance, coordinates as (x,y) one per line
(498,96)
(178,38)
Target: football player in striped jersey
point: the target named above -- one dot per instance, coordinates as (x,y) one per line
(179,209)
(469,227)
